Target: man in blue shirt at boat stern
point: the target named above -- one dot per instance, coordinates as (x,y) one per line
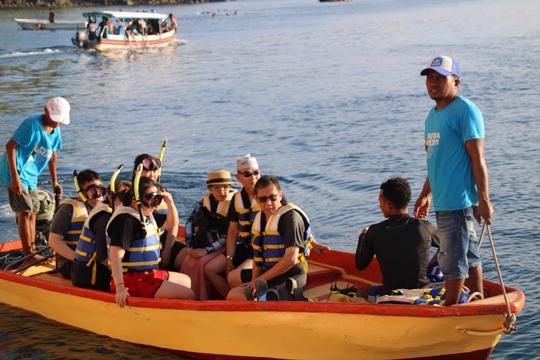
(32,147)
(457,177)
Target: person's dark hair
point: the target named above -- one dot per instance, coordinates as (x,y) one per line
(87,176)
(397,191)
(144,183)
(170,15)
(265,181)
(139,159)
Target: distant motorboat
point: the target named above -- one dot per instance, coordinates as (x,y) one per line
(40,24)
(127,33)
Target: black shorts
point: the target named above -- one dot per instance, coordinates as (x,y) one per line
(242,253)
(296,272)
(175,250)
(81,276)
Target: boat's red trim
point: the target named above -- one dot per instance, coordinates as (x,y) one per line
(135,43)
(219,305)
(10,245)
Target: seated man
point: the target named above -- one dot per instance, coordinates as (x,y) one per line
(241,215)
(67,224)
(401,243)
(281,236)
(206,234)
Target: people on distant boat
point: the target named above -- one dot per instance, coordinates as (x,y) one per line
(67,224)
(52,15)
(32,148)
(206,235)
(281,237)
(142,28)
(134,250)
(106,27)
(244,207)
(91,28)
(174,23)
(91,265)
(131,30)
(401,243)
(457,180)
(175,252)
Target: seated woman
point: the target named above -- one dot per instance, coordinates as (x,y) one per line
(176,253)
(206,235)
(67,223)
(281,240)
(134,250)
(91,265)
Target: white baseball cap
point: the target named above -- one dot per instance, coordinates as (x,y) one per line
(444,65)
(58,109)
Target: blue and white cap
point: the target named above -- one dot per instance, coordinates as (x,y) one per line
(444,65)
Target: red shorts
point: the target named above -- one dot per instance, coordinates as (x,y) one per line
(143,283)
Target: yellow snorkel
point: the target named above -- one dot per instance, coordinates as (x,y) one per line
(78,188)
(161,155)
(138,173)
(112,184)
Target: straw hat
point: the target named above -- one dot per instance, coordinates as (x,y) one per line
(219,177)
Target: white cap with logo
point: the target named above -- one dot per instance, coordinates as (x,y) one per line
(444,65)
(246,162)
(58,109)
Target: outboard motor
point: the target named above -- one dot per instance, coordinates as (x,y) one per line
(81,40)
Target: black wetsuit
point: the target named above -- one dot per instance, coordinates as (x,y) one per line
(401,244)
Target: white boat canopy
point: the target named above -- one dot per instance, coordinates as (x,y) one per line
(126,15)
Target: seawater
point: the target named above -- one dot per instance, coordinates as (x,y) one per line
(326,96)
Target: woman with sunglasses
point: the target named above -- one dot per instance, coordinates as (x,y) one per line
(281,242)
(206,234)
(68,221)
(152,170)
(91,265)
(134,249)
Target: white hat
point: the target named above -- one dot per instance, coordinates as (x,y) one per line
(444,65)
(58,109)
(246,161)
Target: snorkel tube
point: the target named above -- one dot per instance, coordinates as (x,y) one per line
(112,184)
(161,155)
(80,193)
(138,173)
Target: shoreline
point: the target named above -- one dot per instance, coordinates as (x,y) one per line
(53,4)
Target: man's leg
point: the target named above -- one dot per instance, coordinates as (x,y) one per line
(454,245)
(25,231)
(474,282)
(453,290)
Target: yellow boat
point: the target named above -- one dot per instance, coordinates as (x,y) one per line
(274,330)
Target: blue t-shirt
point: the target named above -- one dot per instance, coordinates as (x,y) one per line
(449,165)
(34,150)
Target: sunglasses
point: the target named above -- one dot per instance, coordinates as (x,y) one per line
(249,173)
(151,164)
(152,199)
(264,199)
(95,191)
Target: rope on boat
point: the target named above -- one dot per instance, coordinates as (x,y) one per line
(510,318)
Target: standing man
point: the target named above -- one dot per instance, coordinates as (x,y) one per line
(174,24)
(457,177)
(32,147)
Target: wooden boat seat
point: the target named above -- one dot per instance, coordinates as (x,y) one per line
(55,278)
(318,275)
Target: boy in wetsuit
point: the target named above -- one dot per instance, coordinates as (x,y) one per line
(401,243)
